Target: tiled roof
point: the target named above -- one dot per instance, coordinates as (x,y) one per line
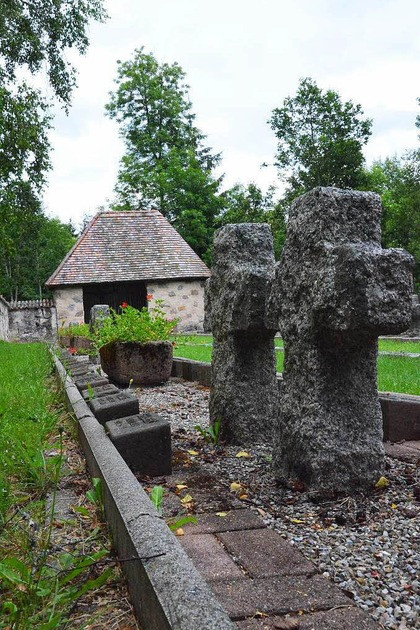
(122,246)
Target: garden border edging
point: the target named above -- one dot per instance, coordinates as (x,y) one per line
(400,412)
(167,591)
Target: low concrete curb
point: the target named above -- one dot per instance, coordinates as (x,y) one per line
(166,589)
(400,412)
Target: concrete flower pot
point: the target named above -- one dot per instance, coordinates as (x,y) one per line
(146,363)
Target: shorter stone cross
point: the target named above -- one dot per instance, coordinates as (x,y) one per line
(244,394)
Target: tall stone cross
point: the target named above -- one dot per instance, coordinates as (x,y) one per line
(335,291)
(244,394)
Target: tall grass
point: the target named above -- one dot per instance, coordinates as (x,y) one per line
(26,417)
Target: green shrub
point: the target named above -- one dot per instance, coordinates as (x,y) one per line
(134,325)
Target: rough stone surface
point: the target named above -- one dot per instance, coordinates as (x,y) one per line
(94,380)
(209,557)
(141,363)
(103,390)
(414,328)
(69,305)
(343,618)
(264,553)
(144,441)
(181,299)
(244,394)
(277,595)
(98,313)
(334,293)
(114,406)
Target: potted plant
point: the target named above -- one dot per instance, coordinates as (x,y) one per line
(134,345)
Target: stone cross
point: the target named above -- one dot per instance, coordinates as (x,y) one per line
(335,291)
(98,313)
(244,394)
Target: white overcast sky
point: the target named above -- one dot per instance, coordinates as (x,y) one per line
(242,58)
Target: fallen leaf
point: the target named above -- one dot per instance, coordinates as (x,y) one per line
(261,512)
(181,486)
(235,486)
(243,454)
(394,506)
(382,482)
(296,520)
(243,496)
(179,532)
(222,514)
(187,499)
(259,613)
(191,452)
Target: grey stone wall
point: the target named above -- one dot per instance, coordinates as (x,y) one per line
(32,321)
(181,298)
(4,319)
(69,304)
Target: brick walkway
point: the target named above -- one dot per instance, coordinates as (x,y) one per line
(253,570)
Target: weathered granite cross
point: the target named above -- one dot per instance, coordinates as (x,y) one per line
(335,291)
(244,394)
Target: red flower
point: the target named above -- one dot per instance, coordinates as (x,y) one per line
(149,297)
(124,305)
(72,350)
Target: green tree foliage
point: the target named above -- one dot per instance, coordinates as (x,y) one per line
(35,36)
(397,180)
(320,140)
(166,163)
(43,243)
(250,205)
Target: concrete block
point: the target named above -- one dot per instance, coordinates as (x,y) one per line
(103,390)
(95,381)
(113,406)
(345,618)
(277,595)
(144,441)
(264,553)
(401,416)
(209,557)
(235,520)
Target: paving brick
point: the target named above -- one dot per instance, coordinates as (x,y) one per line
(103,390)
(144,441)
(264,553)
(277,595)
(406,451)
(114,406)
(340,619)
(95,381)
(209,557)
(401,416)
(234,520)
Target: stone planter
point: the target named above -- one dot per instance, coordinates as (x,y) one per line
(65,341)
(82,343)
(146,363)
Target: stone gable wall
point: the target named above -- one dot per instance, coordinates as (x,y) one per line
(69,304)
(181,298)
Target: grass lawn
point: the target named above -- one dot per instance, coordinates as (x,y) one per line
(389,345)
(395,374)
(41,582)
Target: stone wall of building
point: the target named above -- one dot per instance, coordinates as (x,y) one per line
(34,320)
(69,304)
(4,319)
(181,298)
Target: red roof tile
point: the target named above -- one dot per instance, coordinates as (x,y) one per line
(122,246)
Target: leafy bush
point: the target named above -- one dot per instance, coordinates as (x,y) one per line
(134,325)
(75,330)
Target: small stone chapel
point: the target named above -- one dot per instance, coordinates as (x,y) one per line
(135,257)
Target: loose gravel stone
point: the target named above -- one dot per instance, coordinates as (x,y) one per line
(367,544)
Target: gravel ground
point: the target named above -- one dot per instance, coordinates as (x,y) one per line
(367,545)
